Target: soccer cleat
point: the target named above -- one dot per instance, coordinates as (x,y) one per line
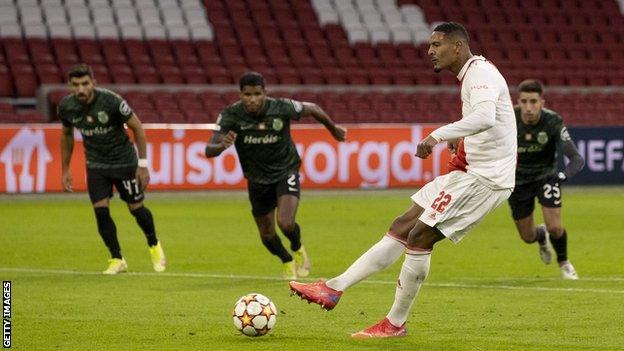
(545,251)
(159,261)
(383,329)
(302,262)
(289,271)
(317,292)
(115,266)
(567,271)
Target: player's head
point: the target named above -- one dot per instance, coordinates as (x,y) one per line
(448,44)
(82,82)
(530,100)
(252,93)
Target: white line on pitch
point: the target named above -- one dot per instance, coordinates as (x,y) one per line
(253,277)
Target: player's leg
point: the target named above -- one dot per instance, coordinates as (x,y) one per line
(273,243)
(522,203)
(381,255)
(100,190)
(559,240)
(413,272)
(288,192)
(453,204)
(130,192)
(263,203)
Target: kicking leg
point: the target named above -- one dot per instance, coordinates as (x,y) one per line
(413,273)
(381,255)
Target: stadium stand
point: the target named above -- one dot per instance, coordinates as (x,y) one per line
(373,43)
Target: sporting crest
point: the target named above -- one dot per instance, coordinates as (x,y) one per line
(102,116)
(278,124)
(542,138)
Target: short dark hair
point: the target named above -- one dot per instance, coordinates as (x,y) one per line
(453,29)
(531,86)
(252,79)
(80,70)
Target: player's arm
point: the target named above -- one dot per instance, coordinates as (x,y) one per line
(142,172)
(67,148)
(219,142)
(576,160)
(482,118)
(311,109)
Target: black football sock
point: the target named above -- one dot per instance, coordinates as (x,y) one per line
(561,246)
(145,220)
(295,237)
(274,245)
(108,231)
(540,235)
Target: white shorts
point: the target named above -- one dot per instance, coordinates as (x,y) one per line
(456,202)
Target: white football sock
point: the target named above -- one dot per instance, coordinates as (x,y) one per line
(378,257)
(413,272)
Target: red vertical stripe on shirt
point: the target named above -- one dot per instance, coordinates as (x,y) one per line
(458,161)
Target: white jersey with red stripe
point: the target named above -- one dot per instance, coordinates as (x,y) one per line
(489,152)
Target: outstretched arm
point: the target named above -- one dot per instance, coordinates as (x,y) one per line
(142,172)
(219,142)
(67,148)
(311,109)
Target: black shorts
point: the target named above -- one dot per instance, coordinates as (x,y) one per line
(263,197)
(100,184)
(522,200)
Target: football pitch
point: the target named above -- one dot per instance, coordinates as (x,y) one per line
(490,292)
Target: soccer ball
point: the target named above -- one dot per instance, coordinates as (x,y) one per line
(254,314)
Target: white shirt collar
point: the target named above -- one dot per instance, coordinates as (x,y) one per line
(462,72)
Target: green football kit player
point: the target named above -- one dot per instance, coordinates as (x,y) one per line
(111,160)
(259,128)
(541,135)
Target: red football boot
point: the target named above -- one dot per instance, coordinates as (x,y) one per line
(383,329)
(317,292)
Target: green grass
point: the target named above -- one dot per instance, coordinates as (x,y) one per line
(490,292)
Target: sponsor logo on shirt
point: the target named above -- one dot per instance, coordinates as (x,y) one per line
(96,131)
(482,86)
(267,139)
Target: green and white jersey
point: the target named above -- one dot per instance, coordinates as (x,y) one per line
(101,124)
(537,146)
(265,148)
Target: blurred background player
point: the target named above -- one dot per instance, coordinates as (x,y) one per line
(259,128)
(100,115)
(541,133)
(481,178)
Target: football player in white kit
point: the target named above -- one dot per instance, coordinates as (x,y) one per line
(482,176)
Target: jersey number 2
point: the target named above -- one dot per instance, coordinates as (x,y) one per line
(440,202)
